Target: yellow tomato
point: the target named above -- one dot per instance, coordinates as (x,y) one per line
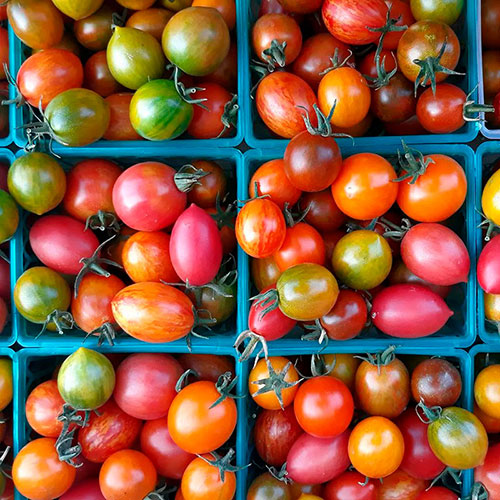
(487,390)
(491,198)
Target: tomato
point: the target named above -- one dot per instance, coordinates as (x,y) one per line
(194,232)
(323,213)
(274,433)
(312,162)
(297,489)
(394,102)
(120,128)
(134,57)
(364,188)
(157,112)
(227,72)
(9,216)
(446,12)
(140,378)
(351,22)
(436,254)
(77,117)
(280,99)
(490,16)
(61,242)
(86,379)
(436,382)
(489,202)
(205,192)
(98,77)
(491,73)
(491,307)
(226,8)
(95,31)
(176,5)
(152,21)
(115,248)
(136,4)
(401,486)
(281,394)
(409,127)
(383,388)
(194,424)
(324,406)
(127,475)
(203,481)
(266,486)
(39,474)
(409,311)
(419,460)
(342,366)
(5,280)
(376,447)
(458,438)
(265,272)
(424,40)
(492,425)
(79,11)
(487,473)
(85,490)
(43,406)
(313,460)
(438,493)
(216,305)
(36,22)
(169,460)
(208,44)
(146,198)
(401,11)
(6,390)
(368,66)
(37,182)
(207,366)
(38,292)
(350,486)
(277,39)
(48,73)
(110,431)
(486,391)
(68,42)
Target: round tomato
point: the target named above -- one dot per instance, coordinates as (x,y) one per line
(489,198)
(152,21)
(487,391)
(84,490)
(267,486)
(226,8)
(491,73)
(368,65)
(120,128)
(394,102)
(95,31)
(490,17)
(227,73)
(214,185)
(342,366)
(401,486)
(488,472)
(9,216)
(43,405)
(206,366)
(98,77)
(401,11)
(446,12)
(350,485)
(438,493)
(322,211)
(265,272)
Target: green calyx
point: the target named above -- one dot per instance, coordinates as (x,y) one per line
(413,163)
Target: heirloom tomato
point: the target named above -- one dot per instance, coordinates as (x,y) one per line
(490,17)
(95,31)
(205,192)
(98,76)
(490,198)
(87,489)
(487,390)
(78,10)
(206,366)
(267,486)
(226,8)
(342,366)
(438,493)
(120,128)
(9,216)
(265,272)
(322,211)
(446,12)
(350,485)
(401,486)
(394,102)
(488,472)
(401,12)
(152,21)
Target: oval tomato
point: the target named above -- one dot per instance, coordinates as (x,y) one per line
(95,31)
(487,391)
(487,266)
(489,197)
(43,406)
(267,486)
(207,366)
(401,486)
(151,20)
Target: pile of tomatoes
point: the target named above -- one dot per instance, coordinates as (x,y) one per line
(319,229)
(98,68)
(361,427)
(102,432)
(143,273)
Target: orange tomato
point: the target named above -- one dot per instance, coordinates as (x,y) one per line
(492,425)
(490,199)
(6,390)
(364,188)
(487,390)
(342,366)
(226,8)
(376,447)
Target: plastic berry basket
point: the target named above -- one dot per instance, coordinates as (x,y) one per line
(460,330)
(459,358)
(257,135)
(23,257)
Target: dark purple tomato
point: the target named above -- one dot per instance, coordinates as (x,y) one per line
(488,266)
(394,102)
(409,311)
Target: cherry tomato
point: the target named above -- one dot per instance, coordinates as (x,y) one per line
(350,486)
(487,391)
(152,21)
(401,486)
(438,493)
(207,366)
(98,77)
(368,65)
(84,490)
(490,17)
(265,272)
(94,31)
(401,11)
(491,424)
(446,12)
(323,213)
(227,73)
(343,367)
(226,8)
(267,486)
(120,128)
(489,202)
(491,73)
(488,472)
(204,193)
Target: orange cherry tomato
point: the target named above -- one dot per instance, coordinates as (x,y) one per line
(491,424)
(487,390)
(226,8)
(120,128)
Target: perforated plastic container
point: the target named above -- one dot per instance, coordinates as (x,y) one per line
(244,440)
(257,135)
(23,257)
(460,329)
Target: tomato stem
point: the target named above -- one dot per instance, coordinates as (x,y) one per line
(249,349)
(19,100)
(316,332)
(478,492)
(324,128)
(275,53)
(223,463)
(490,226)
(294,219)
(268,300)
(336,62)
(455,475)
(162,492)
(63,320)
(398,232)
(106,332)
(280,475)
(183,380)
(101,221)
(224,386)
(413,163)
(230,116)
(429,414)
(184,92)
(4,256)
(189,176)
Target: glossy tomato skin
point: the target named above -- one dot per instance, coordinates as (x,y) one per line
(409,311)
(140,399)
(436,382)
(278,100)
(9,216)
(401,486)
(48,73)
(491,73)
(323,406)
(348,486)
(169,460)
(446,12)
(120,128)
(146,198)
(487,266)
(227,73)
(350,21)
(343,367)
(436,254)
(98,77)
(313,460)
(60,242)
(486,390)
(95,31)
(489,197)
(152,21)
(207,366)
(110,431)
(488,472)
(490,16)
(323,213)
(194,232)
(368,66)
(419,460)
(265,272)
(401,11)
(85,490)
(205,192)
(491,424)
(364,188)
(274,433)
(395,102)
(267,486)
(39,474)
(300,6)
(438,493)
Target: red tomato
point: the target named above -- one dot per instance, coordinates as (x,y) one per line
(120,128)
(260,228)
(60,242)
(140,379)
(409,127)
(227,73)
(280,98)
(89,188)
(489,472)
(207,366)
(488,266)
(323,406)
(401,486)
(368,66)
(110,431)
(205,192)
(48,73)
(323,213)
(350,486)
(301,6)
(86,490)
(146,198)
(401,11)
(146,257)
(98,77)
(127,475)
(195,233)
(438,493)
(169,460)
(4,313)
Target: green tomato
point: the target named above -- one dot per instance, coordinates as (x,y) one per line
(307,292)
(134,57)
(86,379)
(9,216)
(157,111)
(37,182)
(40,291)
(362,259)
(196,40)
(444,11)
